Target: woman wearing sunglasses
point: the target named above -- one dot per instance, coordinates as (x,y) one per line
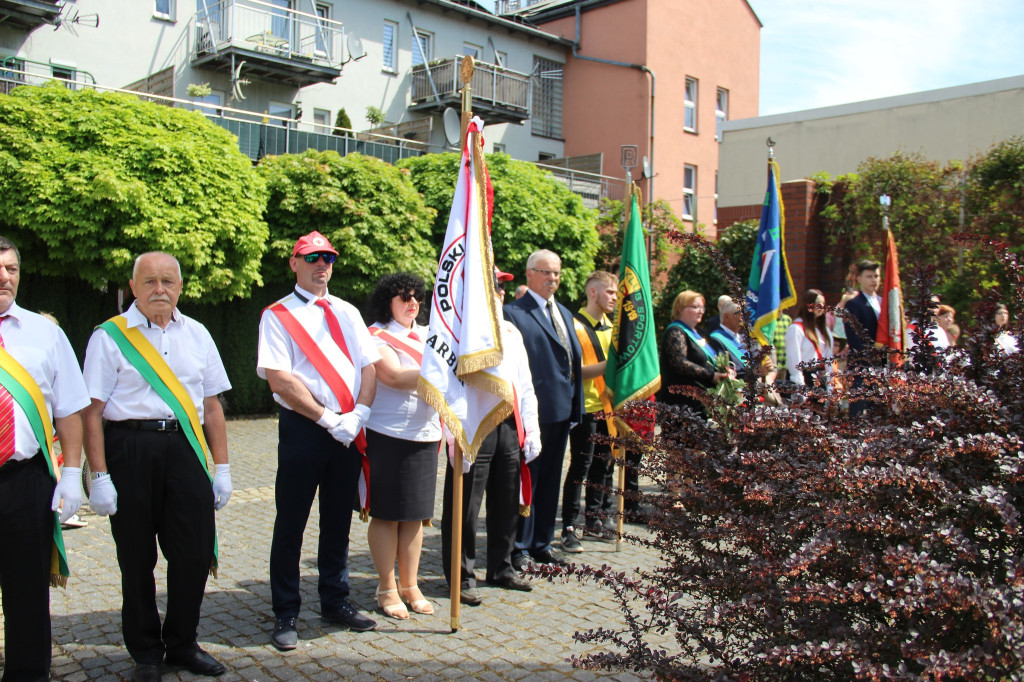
(402,437)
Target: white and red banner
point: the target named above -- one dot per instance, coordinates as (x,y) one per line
(459,376)
(892,328)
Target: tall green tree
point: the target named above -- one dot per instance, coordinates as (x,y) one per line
(368,209)
(89,180)
(532,210)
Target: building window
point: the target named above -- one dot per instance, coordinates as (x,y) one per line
(389,61)
(545,156)
(12,74)
(281,20)
(422,47)
(501,58)
(323,14)
(163,9)
(64,72)
(690,103)
(215,99)
(546,107)
(689,192)
(471,50)
(281,110)
(722,104)
(322,121)
(499,148)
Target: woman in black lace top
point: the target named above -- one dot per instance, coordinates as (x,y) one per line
(686,357)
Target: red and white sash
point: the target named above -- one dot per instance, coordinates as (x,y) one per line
(333,371)
(411,345)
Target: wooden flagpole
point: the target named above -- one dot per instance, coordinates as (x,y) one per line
(466,73)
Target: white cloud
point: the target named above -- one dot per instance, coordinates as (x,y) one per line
(833,52)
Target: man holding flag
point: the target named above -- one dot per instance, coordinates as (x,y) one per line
(770,287)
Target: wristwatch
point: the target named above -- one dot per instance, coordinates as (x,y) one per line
(97,475)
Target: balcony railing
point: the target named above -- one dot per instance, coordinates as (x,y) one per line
(499,88)
(15,71)
(265,28)
(591,187)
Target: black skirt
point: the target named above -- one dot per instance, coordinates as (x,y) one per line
(403,475)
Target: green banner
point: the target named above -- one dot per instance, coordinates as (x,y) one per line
(633,372)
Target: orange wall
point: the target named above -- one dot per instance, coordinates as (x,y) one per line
(715,41)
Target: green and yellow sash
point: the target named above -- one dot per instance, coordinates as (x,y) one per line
(25,391)
(137,349)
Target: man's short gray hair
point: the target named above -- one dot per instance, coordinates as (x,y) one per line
(135,268)
(727,306)
(538,255)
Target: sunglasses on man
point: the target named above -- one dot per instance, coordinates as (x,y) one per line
(314,257)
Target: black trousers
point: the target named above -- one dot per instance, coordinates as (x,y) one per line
(495,472)
(26,541)
(163,494)
(308,458)
(590,462)
(537,531)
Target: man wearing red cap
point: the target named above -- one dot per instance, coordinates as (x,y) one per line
(317,356)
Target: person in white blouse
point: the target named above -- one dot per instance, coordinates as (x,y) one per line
(808,340)
(1006,341)
(402,438)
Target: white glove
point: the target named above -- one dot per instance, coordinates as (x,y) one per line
(222,486)
(68,490)
(531,449)
(103,495)
(329,419)
(349,425)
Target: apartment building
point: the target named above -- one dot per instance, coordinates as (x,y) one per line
(661,75)
(279,71)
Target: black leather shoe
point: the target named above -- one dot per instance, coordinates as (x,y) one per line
(520,562)
(146,672)
(511,582)
(550,557)
(347,615)
(470,597)
(285,637)
(198,662)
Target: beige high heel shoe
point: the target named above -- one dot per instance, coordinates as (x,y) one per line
(396,611)
(417,605)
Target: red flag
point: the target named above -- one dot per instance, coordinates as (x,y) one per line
(892,331)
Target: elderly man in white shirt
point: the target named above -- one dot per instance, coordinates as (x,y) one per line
(153,442)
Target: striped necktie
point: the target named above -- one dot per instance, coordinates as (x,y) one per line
(559,331)
(6,418)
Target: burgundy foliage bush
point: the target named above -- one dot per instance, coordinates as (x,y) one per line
(799,544)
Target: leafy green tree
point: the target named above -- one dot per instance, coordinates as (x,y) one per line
(89,180)
(659,217)
(532,210)
(368,209)
(697,271)
(342,123)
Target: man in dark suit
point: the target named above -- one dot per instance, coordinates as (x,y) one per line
(865,308)
(555,363)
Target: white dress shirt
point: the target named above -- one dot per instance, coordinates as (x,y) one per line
(278,351)
(399,413)
(799,349)
(42,348)
(185,345)
(514,357)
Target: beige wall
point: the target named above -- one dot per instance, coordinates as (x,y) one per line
(943,125)
(715,41)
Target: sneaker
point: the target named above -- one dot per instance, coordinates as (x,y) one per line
(599,534)
(285,637)
(571,543)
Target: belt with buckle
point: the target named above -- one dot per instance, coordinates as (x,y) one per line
(149,424)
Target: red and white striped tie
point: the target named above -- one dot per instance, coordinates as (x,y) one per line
(6,418)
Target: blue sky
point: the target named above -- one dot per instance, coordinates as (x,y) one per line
(826,52)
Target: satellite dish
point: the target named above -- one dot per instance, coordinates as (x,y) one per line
(646,167)
(237,82)
(452,126)
(355,48)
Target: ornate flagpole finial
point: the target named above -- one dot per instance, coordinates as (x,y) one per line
(771,148)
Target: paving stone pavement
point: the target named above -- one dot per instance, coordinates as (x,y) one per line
(512,636)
